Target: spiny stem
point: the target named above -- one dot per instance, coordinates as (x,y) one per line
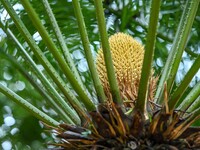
(190,100)
(59,58)
(179,44)
(61,41)
(40,88)
(86,44)
(106,51)
(181,41)
(46,64)
(57,98)
(175,97)
(164,37)
(148,56)
(32,109)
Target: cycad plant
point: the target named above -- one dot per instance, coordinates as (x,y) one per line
(130,107)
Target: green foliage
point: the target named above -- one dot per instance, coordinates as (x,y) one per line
(121,16)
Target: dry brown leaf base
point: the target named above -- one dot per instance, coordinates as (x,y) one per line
(111,129)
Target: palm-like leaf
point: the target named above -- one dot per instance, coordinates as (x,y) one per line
(109,121)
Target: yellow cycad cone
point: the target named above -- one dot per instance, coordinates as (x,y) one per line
(127,56)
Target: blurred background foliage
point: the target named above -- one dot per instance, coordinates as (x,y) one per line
(18,129)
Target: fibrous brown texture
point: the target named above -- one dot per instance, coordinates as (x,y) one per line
(127,56)
(109,128)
